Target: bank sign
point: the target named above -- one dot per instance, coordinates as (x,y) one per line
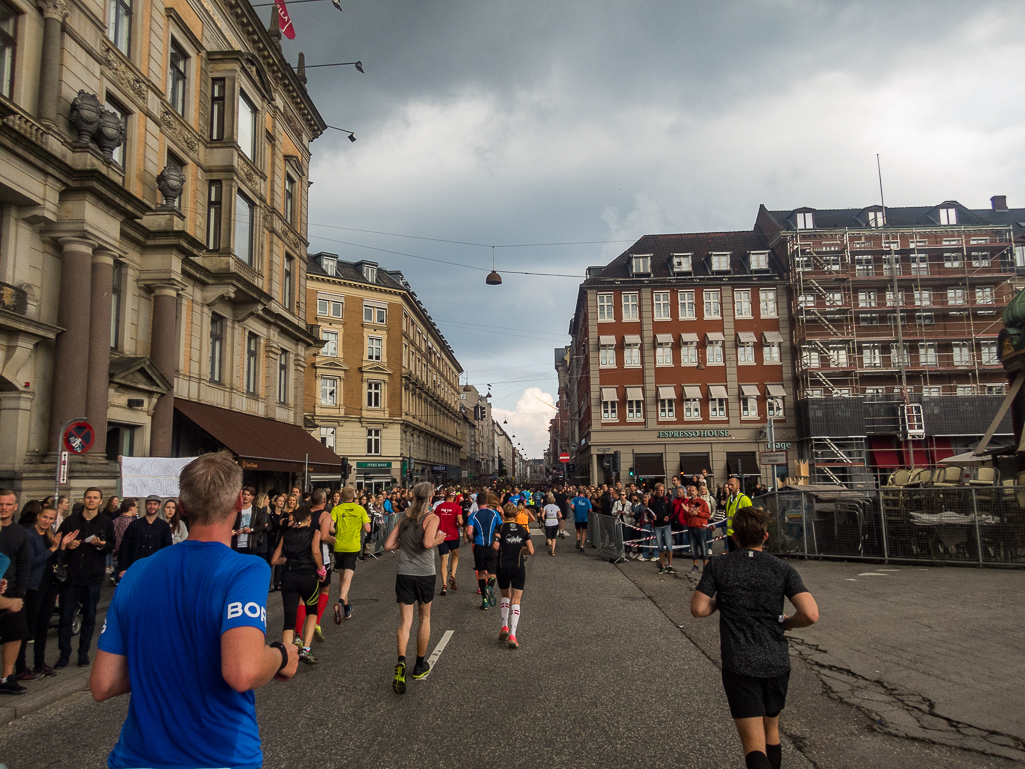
(693,433)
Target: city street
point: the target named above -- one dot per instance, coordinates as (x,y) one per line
(613,671)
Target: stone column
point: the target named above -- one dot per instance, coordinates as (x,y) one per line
(54,12)
(71,350)
(163,352)
(97,390)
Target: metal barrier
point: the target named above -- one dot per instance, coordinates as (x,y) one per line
(379,532)
(982,525)
(605,532)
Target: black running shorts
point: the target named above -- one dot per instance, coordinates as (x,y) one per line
(448,546)
(485,558)
(13,626)
(515,578)
(581,525)
(551,531)
(751,697)
(410,590)
(345,561)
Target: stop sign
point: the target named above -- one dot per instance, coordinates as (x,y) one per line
(564,457)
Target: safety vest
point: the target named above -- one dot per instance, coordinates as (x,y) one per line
(733,504)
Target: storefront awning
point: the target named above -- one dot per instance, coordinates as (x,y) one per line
(689,338)
(649,466)
(715,336)
(746,337)
(635,393)
(632,339)
(717,391)
(664,338)
(260,443)
(776,391)
(749,390)
(609,394)
(692,392)
(607,341)
(772,337)
(743,463)
(666,392)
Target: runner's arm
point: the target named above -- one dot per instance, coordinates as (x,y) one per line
(247,662)
(392,543)
(327,525)
(433,536)
(109,676)
(702,605)
(315,547)
(276,559)
(807,612)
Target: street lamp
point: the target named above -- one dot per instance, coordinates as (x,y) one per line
(357,64)
(493,278)
(352,136)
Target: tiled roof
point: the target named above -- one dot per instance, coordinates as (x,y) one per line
(897,216)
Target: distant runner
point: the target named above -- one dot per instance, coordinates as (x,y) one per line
(512,545)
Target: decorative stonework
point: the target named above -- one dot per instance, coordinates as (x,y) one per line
(293,123)
(26,127)
(173,127)
(119,71)
(250,174)
(53,9)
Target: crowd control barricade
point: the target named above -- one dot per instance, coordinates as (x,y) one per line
(608,536)
(611,543)
(379,532)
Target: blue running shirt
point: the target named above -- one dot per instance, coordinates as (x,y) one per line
(167,617)
(581,506)
(484,523)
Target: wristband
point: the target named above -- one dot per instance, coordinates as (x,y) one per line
(284,654)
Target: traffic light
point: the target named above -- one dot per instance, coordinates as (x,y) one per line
(631,472)
(615,462)
(346,469)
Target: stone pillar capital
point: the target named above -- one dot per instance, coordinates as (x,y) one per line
(164,289)
(104,256)
(53,9)
(77,244)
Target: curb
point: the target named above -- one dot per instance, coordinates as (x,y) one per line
(22,705)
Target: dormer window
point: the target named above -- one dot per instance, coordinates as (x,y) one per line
(641,265)
(948,215)
(370,273)
(330,265)
(805,220)
(721,262)
(682,263)
(759,260)
(876,218)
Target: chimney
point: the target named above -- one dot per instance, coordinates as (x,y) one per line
(999,202)
(275,27)
(301,72)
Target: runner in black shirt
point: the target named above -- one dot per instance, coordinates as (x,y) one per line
(563,502)
(299,552)
(512,544)
(747,587)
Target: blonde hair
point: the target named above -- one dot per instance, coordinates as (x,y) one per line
(209,486)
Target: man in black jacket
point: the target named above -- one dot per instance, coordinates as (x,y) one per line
(87,556)
(13,626)
(144,536)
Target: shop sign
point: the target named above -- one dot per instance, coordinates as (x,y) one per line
(778,446)
(774,457)
(693,433)
(373,465)
(439,468)
(602,450)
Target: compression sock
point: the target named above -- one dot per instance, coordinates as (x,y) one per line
(775,755)
(402,658)
(504,611)
(491,582)
(514,620)
(300,618)
(322,601)
(483,585)
(419,661)
(757,760)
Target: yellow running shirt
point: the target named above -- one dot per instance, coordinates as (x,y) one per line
(349,519)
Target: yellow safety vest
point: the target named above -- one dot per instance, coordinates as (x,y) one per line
(733,504)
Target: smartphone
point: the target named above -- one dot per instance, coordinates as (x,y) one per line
(89,539)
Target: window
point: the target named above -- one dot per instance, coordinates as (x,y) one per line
(252,361)
(660,302)
(831,263)
(759,260)
(216,347)
(375,313)
(214,193)
(689,354)
(774,407)
(631,355)
(746,353)
(682,263)
(806,300)
(283,377)
(876,219)
(713,352)
(634,410)
(978,241)
(984,295)
(667,408)
(919,264)
(641,265)
(814,392)
(114,106)
(953,259)
(770,352)
(607,355)
(932,392)
(328,307)
(8,43)
(926,354)
(965,390)
(802,263)
(246,134)
(217,90)
(374,395)
(834,298)
(244,221)
(116,290)
(119,24)
(742,303)
(996,389)
(923,297)
(687,310)
(691,408)
(925,318)
(713,303)
(891,265)
(330,348)
(894,300)
(989,353)
(805,220)
(176,81)
(980,258)
(609,410)
(629,306)
(664,354)
(370,273)
(810,358)
(866,299)
(329,390)
(720,262)
(327,437)
(837,355)
(717,408)
(748,407)
(375,347)
(290,200)
(605,307)
(955,296)
(870,319)
(330,265)
(962,354)
(872,355)
(843,392)
(948,216)
(863,267)
(373,443)
(767,302)
(1019,256)
(287,290)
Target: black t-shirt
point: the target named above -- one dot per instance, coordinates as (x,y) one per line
(562,501)
(297,547)
(662,508)
(749,587)
(511,539)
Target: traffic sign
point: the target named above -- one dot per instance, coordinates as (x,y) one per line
(79,437)
(564,457)
(774,457)
(62,468)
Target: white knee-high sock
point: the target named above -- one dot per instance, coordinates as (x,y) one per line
(515,619)
(504,609)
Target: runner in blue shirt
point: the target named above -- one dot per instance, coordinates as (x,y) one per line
(480,529)
(207,604)
(581,507)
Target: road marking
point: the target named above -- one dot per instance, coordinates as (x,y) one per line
(872,574)
(888,570)
(851,579)
(440,647)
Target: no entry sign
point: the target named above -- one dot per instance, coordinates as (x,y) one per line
(79,437)
(564,457)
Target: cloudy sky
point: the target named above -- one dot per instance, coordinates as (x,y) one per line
(560,132)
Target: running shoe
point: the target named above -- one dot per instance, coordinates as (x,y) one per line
(504,634)
(348,611)
(452,583)
(297,640)
(513,643)
(670,570)
(492,601)
(421,670)
(662,570)
(305,655)
(10,686)
(28,675)
(338,612)
(694,569)
(444,589)
(318,634)
(399,684)
(484,604)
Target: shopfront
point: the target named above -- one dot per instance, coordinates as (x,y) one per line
(375,476)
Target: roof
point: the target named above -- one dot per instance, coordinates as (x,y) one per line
(897,216)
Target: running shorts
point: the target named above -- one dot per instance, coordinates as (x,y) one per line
(751,697)
(485,558)
(410,590)
(448,546)
(551,531)
(345,561)
(581,525)
(515,578)
(13,626)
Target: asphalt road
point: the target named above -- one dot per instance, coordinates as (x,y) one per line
(612,672)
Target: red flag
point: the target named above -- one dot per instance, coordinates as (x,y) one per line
(286,23)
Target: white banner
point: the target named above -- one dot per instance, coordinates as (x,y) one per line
(142,476)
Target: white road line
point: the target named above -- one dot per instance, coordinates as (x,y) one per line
(440,647)
(871,574)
